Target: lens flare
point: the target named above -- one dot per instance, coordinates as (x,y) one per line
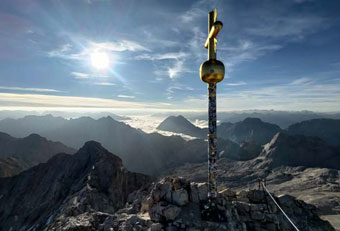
(100,60)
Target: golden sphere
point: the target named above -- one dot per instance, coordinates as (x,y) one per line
(212,71)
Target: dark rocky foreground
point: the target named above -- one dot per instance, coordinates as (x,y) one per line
(175,204)
(91,190)
(67,188)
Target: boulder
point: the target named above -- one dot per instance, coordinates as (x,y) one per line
(171,212)
(256,196)
(156,227)
(146,204)
(180,197)
(228,194)
(242,196)
(202,191)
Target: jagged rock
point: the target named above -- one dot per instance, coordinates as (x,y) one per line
(242,196)
(254,213)
(156,227)
(93,191)
(202,191)
(171,212)
(256,196)
(66,190)
(180,197)
(228,194)
(198,192)
(164,212)
(146,204)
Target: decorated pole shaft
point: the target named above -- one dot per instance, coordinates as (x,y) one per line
(212,141)
(212,72)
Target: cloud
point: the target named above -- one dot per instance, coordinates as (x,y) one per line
(105,84)
(176,69)
(171,55)
(60,52)
(301,81)
(171,89)
(79,75)
(245,50)
(172,70)
(39,100)
(126,96)
(236,83)
(29,89)
(286,26)
(66,51)
(123,45)
(192,14)
(166,104)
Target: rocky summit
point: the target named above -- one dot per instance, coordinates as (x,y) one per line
(177,204)
(91,190)
(67,192)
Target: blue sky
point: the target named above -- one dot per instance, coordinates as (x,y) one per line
(282,55)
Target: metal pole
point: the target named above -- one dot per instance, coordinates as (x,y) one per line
(211,72)
(212,158)
(212,142)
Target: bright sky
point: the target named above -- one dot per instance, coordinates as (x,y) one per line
(282,55)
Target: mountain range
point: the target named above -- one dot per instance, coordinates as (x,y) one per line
(305,166)
(326,129)
(18,154)
(132,145)
(254,130)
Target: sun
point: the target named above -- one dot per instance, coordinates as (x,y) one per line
(100,60)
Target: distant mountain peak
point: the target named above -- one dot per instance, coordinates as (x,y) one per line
(252,120)
(179,124)
(95,150)
(93,147)
(299,150)
(326,129)
(31,150)
(35,136)
(249,129)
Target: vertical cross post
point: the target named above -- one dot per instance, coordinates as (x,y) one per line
(212,72)
(212,158)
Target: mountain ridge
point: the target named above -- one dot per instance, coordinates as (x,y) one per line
(133,145)
(91,173)
(18,154)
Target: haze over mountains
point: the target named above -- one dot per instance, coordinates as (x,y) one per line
(257,131)
(281,118)
(18,154)
(326,129)
(133,145)
(294,161)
